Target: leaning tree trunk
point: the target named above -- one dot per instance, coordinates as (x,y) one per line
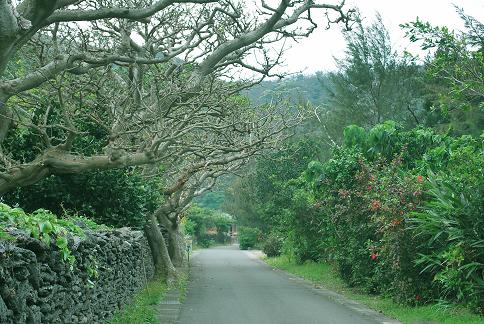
(176,240)
(163,265)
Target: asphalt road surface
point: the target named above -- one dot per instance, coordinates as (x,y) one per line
(229,286)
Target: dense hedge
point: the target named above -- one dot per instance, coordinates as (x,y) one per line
(248,237)
(114,197)
(399,213)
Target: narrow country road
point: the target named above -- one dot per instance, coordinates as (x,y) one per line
(229,287)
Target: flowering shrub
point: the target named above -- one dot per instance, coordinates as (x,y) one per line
(369,219)
(399,213)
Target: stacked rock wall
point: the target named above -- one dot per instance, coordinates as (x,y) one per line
(37,287)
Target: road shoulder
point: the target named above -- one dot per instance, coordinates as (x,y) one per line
(168,310)
(361,309)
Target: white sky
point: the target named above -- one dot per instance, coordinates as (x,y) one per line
(316,52)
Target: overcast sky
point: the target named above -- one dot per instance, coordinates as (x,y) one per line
(316,52)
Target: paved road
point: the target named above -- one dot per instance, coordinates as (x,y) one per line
(229,287)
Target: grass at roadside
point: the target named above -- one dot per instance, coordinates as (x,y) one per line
(182,285)
(324,275)
(143,307)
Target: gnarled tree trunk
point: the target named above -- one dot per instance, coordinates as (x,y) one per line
(161,258)
(177,242)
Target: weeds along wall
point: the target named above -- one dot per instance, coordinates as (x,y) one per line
(36,286)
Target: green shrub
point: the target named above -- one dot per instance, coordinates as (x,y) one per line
(305,242)
(248,237)
(118,197)
(450,227)
(206,240)
(272,245)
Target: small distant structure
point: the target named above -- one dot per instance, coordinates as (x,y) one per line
(233,233)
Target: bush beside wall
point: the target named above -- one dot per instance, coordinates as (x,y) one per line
(36,286)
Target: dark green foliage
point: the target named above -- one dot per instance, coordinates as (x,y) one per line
(373,83)
(24,143)
(119,197)
(248,237)
(206,241)
(260,198)
(211,200)
(240,201)
(450,225)
(215,198)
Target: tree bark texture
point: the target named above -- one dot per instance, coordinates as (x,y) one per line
(177,244)
(161,258)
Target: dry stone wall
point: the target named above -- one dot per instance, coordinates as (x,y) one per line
(37,287)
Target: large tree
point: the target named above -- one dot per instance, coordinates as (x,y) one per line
(130,67)
(374,82)
(157,81)
(454,73)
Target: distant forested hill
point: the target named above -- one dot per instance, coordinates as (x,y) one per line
(298,89)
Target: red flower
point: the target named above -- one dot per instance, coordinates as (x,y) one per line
(369,188)
(374,256)
(396,222)
(375,204)
(419,178)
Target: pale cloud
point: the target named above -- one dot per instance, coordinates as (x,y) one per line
(317,52)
